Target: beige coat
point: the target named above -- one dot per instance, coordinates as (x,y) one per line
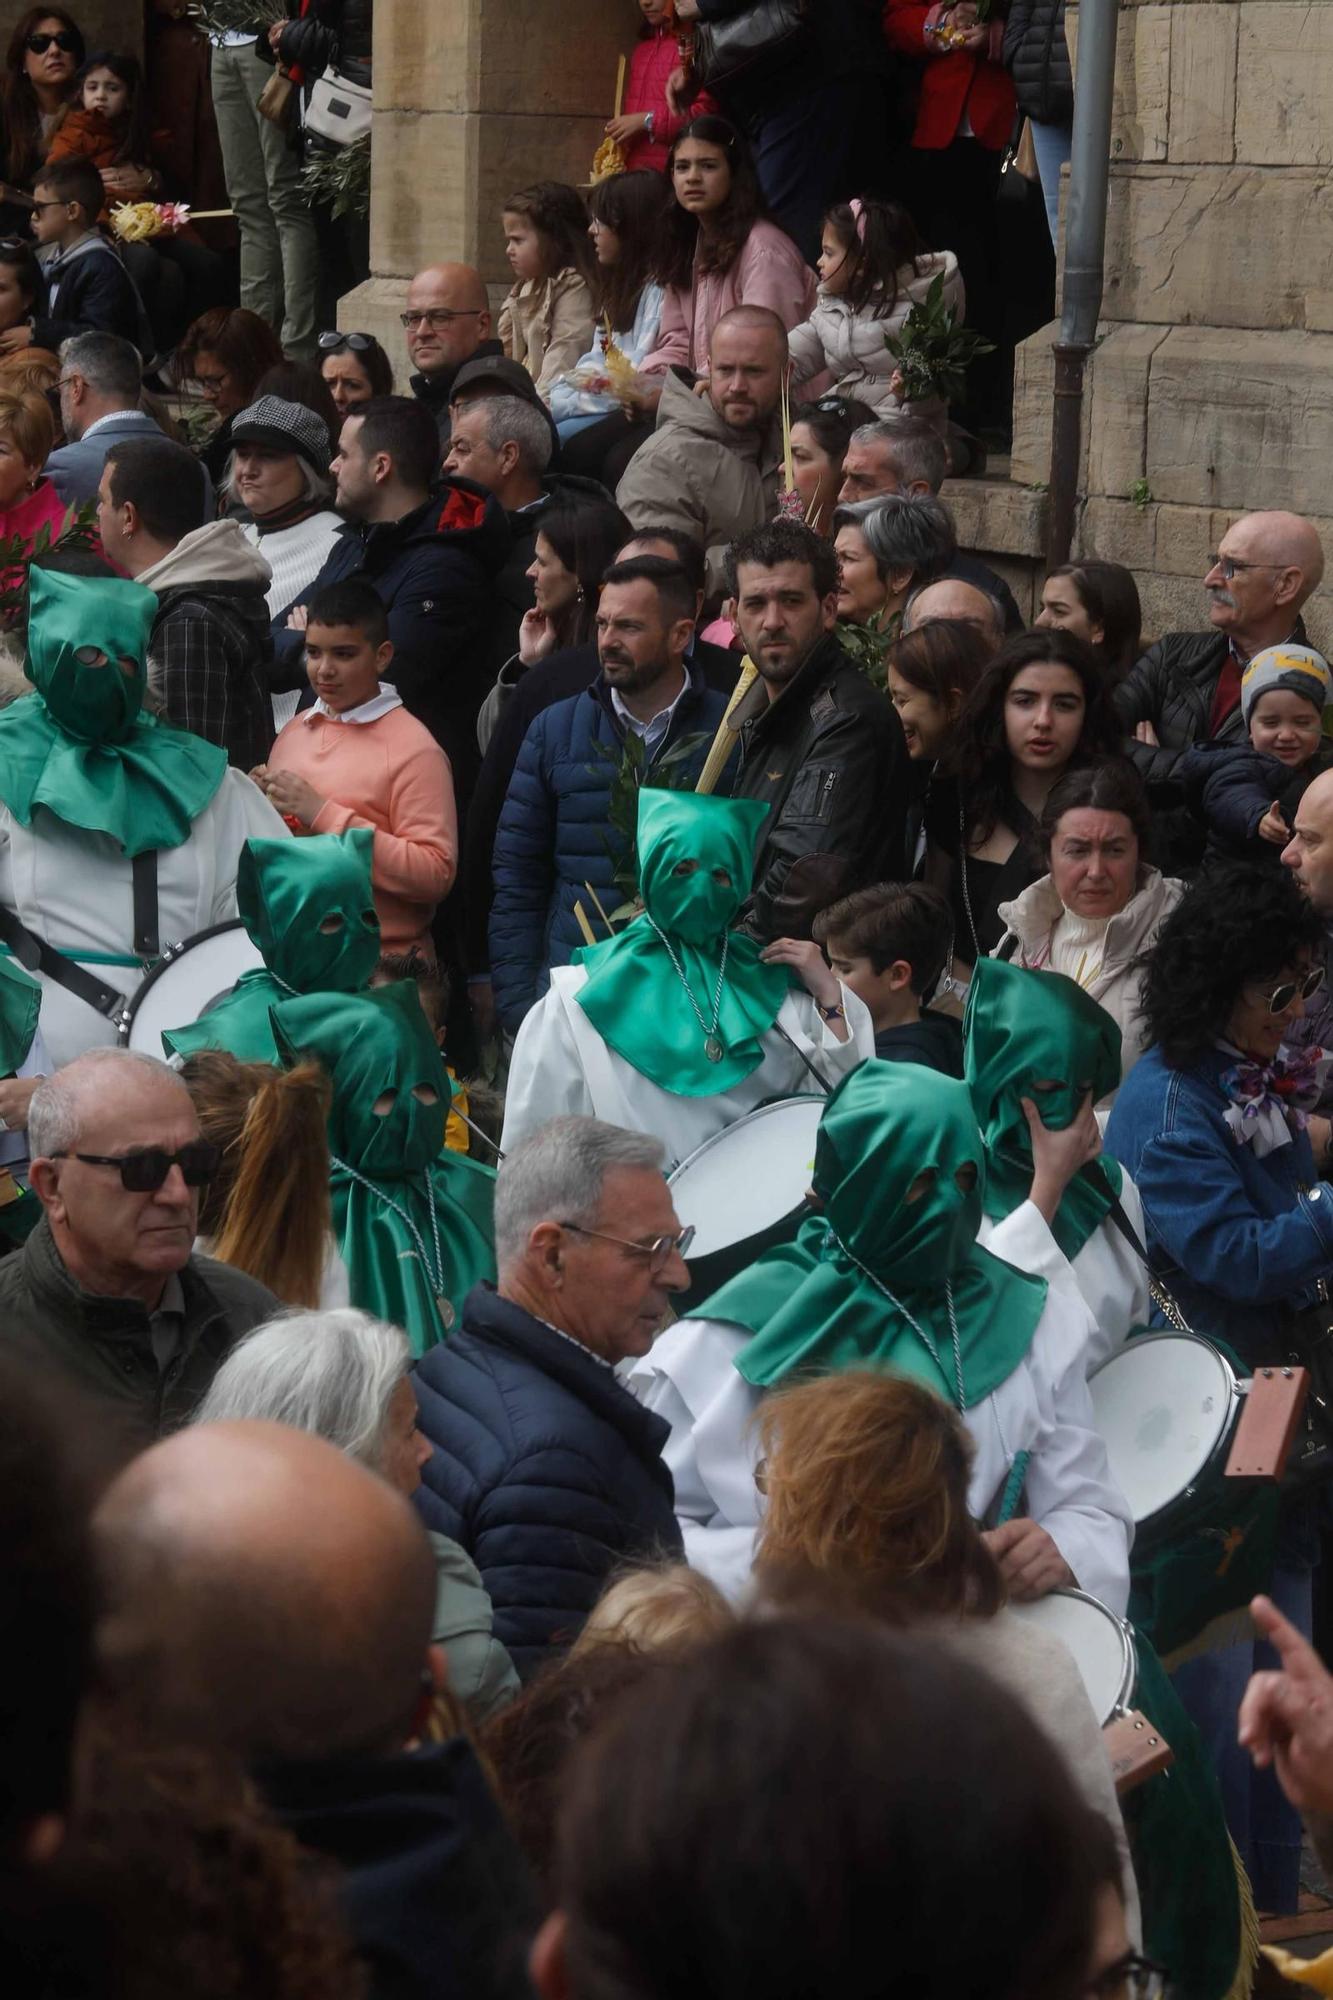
(697,473)
(547,326)
(1100,956)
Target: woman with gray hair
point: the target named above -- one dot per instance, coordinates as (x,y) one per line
(279,474)
(887,547)
(344,1377)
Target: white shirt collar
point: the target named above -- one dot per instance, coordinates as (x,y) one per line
(379,704)
(658,724)
(111,417)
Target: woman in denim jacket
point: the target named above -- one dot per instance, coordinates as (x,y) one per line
(1210,1125)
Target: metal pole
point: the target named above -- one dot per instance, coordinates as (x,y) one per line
(1085,254)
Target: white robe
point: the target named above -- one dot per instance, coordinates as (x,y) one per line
(1110,1277)
(689,1377)
(562,1065)
(75,889)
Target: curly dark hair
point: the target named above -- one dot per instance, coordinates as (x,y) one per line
(743,207)
(557,213)
(1239,926)
(980,758)
(775,542)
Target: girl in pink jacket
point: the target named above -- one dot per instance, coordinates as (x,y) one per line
(647,124)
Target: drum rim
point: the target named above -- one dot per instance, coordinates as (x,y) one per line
(700,1260)
(1129,1652)
(747,1118)
(1163,1515)
(164,964)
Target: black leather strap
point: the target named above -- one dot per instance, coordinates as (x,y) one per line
(144,871)
(34,954)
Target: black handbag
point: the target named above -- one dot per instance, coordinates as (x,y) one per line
(768,34)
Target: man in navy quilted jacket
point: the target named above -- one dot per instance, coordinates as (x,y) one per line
(544,1468)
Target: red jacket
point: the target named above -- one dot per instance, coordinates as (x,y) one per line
(654,58)
(954,82)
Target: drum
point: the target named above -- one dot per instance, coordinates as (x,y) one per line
(1166,1406)
(744,1190)
(185,982)
(1101,1643)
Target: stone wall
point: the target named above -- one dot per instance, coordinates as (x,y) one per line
(1211,391)
(473,100)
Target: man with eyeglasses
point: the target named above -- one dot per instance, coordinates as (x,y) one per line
(1186,688)
(545,1468)
(447,323)
(107,1289)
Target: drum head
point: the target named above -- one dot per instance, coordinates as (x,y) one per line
(1163,1405)
(1100,1643)
(182,988)
(750,1176)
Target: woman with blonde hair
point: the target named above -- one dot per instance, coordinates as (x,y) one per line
(268,1210)
(656,1609)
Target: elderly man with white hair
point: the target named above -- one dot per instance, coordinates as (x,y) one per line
(107,1288)
(545,1469)
(343,1376)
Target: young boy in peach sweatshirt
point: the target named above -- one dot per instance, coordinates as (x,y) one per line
(357,758)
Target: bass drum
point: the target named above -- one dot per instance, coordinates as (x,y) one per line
(185,983)
(744,1190)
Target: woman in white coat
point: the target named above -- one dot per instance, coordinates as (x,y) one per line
(889,1275)
(679,1026)
(1036,1048)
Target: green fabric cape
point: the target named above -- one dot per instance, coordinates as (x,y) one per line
(80,746)
(1022,1028)
(20,1005)
(633,995)
(390,1170)
(889,1128)
(308,908)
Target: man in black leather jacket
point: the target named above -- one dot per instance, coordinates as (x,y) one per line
(819,742)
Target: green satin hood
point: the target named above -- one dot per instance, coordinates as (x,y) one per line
(1024,1028)
(81,746)
(889,1132)
(696,860)
(377,1049)
(308,906)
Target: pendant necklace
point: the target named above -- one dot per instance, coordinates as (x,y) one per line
(915,1324)
(713,1046)
(435,1271)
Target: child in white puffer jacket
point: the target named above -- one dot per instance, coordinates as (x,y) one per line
(873,268)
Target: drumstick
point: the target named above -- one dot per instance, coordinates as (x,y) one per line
(583,924)
(724,742)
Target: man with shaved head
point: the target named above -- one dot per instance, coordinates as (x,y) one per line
(268,1599)
(448,322)
(1186,688)
(107,1289)
(712,466)
(1309,855)
(963,603)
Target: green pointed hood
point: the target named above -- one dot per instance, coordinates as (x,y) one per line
(81,746)
(378,1050)
(899,1172)
(308,906)
(1023,1029)
(696,860)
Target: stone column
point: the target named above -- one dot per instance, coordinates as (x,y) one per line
(473,100)
(1211,391)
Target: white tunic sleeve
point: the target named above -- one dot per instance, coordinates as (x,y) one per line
(546,1077)
(1070,1491)
(1110,1276)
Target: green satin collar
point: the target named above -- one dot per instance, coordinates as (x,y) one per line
(696,860)
(20,1006)
(1022,1029)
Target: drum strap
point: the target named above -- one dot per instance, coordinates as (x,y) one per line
(147,943)
(822,1081)
(1157,1291)
(34,954)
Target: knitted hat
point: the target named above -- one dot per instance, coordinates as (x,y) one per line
(285,427)
(1299,668)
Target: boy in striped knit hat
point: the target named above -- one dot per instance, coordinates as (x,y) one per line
(1247,797)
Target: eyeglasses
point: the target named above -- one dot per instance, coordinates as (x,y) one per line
(211,384)
(334,342)
(436,317)
(1282,996)
(658,1252)
(1132,1977)
(1230,567)
(39,44)
(145,1172)
(40,205)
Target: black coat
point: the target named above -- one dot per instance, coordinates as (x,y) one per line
(435,390)
(830,761)
(90,291)
(544,1469)
(1037,57)
(332,31)
(512,590)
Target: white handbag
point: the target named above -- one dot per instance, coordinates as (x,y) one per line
(338,110)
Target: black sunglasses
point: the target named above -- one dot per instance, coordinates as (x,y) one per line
(39,44)
(146,1172)
(333,343)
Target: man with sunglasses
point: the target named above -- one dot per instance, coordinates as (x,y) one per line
(1186,688)
(545,1469)
(448,323)
(107,1289)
